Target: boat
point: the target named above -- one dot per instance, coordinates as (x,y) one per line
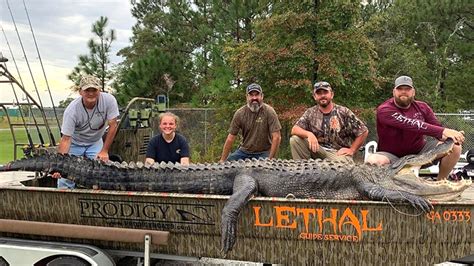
(270,230)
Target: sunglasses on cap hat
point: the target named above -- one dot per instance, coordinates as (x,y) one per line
(322,85)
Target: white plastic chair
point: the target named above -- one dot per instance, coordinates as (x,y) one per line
(370,147)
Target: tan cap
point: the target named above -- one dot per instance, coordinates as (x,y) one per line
(89,81)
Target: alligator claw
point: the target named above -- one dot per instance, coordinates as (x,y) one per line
(420,203)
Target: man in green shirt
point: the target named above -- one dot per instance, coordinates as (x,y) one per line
(259,126)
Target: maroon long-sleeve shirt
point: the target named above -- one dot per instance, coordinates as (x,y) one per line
(400,131)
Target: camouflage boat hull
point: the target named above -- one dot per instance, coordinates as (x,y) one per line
(271,230)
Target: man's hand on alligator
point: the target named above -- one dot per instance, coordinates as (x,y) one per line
(56,175)
(457,136)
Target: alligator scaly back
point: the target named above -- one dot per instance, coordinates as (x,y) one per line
(164,177)
(215,178)
(244,179)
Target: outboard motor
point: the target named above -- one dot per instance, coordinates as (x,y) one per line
(468,170)
(470,157)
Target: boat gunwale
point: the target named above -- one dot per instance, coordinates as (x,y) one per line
(461,202)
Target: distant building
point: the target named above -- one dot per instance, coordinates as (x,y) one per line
(12,112)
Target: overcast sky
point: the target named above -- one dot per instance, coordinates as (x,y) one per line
(62,29)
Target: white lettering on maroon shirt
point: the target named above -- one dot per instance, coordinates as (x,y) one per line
(409,121)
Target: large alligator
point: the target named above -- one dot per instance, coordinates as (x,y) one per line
(244,179)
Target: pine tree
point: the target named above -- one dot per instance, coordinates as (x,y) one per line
(97,61)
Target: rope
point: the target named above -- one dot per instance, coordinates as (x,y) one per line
(399,211)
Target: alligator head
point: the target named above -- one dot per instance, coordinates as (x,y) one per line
(404,176)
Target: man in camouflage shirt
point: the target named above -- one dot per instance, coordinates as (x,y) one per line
(327,130)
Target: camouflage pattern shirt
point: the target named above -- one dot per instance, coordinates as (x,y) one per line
(335,130)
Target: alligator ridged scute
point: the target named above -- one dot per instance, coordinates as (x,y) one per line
(244,179)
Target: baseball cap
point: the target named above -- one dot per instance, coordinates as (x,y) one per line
(89,81)
(322,85)
(403,80)
(254,87)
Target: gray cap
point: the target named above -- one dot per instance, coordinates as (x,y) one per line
(254,87)
(403,80)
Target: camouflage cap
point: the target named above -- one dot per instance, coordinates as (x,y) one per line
(88,81)
(322,85)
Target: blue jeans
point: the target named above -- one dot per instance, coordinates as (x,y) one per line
(89,151)
(240,154)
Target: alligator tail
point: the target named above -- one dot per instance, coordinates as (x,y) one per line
(26,164)
(20,165)
(5,168)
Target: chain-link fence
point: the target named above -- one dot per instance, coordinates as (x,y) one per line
(457,121)
(462,121)
(198,126)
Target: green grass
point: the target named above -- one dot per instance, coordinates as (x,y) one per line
(6,141)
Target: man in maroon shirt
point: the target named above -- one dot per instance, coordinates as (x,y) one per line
(403,123)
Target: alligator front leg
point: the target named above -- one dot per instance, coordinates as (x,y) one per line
(375,192)
(244,188)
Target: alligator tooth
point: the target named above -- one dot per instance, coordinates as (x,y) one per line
(290,196)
